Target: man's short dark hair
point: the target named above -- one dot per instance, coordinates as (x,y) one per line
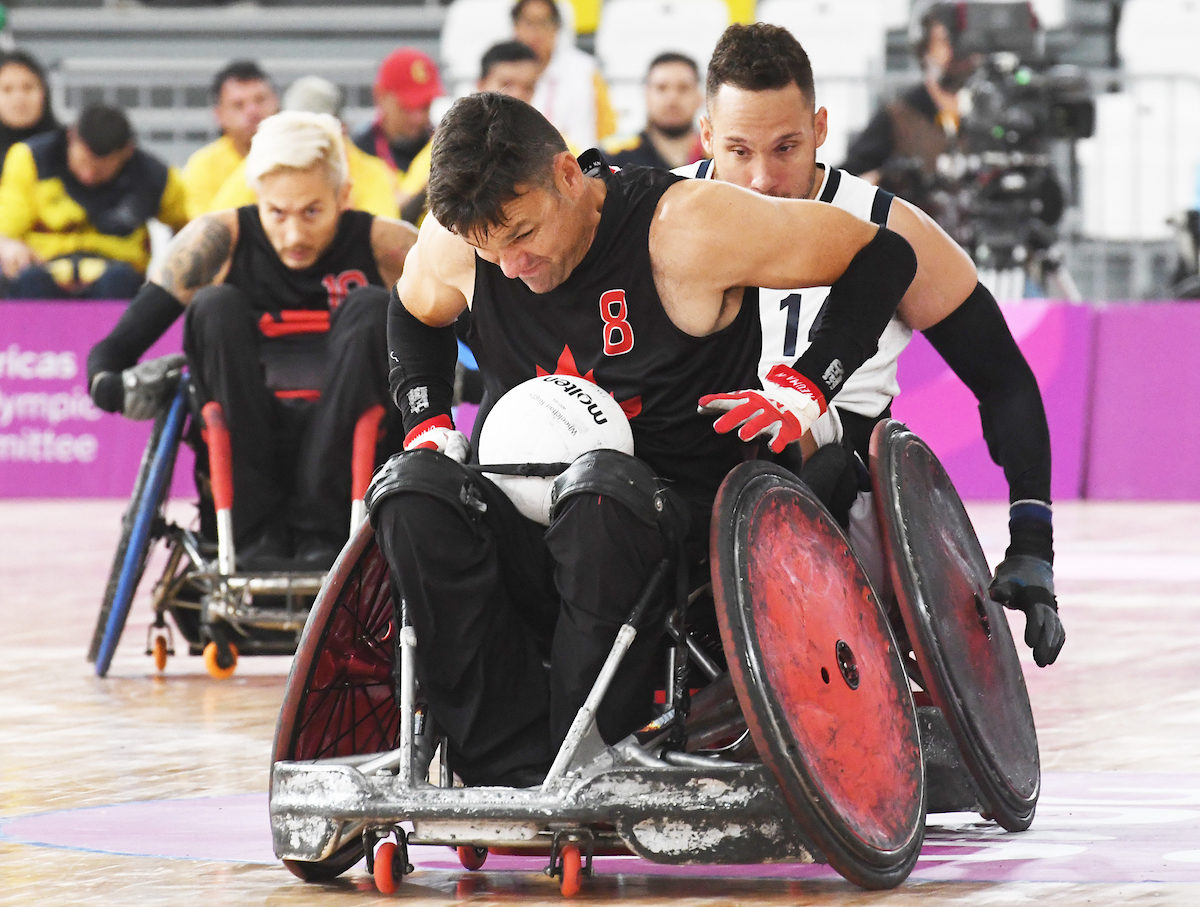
(237,71)
(520,5)
(486,145)
(103,129)
(759,57)
(506,52)
(671,56)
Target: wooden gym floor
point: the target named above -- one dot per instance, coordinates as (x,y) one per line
(151,790)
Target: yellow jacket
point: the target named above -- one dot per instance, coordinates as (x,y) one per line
(206,172)
(372,189)
(45,207)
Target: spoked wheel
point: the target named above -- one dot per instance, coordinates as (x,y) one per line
(959,635)
(818,675)
(339,698)
(138,529)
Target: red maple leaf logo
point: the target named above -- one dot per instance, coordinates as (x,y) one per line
(566,366)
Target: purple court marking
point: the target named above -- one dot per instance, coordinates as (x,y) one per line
(1090,827)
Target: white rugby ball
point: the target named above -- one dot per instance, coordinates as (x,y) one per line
(549,419)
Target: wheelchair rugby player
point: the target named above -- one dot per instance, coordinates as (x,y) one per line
(284,301)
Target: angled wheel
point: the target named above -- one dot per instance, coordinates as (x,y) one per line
(138,525)
(339,698)
(818,674)
(959,635)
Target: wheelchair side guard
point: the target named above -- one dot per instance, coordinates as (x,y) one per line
(339,698)
(818,674)
(959,635)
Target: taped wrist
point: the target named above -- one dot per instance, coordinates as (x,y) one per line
(422,358)
(147,318)
(860,304)
(1030,530)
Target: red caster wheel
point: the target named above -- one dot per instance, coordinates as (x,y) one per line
(160,653)
(218,667)
(389,868)
(472,857)
(572,871)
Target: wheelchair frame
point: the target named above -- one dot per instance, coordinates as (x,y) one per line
(700,802)
(251,613)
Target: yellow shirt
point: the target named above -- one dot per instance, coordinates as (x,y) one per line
(206,172)
(372,186)
(37,210)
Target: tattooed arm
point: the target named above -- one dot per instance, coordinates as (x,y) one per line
(198,256)
(390,242)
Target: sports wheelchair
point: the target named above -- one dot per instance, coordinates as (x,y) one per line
(823,730)
(220,611)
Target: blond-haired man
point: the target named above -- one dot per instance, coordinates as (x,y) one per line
(238,273)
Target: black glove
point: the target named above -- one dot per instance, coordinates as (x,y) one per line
(139,392)
(1026,583)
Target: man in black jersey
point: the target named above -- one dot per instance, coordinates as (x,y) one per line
(246,279)
(635,281)
(762,130)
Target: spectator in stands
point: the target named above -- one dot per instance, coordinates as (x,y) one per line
(905,137)
(673,99)
(510,68)
(570,91)
(372,182)
(24,100)
(74,203)
(405,86)
(242,98)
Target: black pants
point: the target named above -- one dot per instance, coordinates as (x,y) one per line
(289,466)
(493,596)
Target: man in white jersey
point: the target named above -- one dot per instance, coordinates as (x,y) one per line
(761,132)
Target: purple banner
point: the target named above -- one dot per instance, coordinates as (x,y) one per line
(1145,437)
(1056,339)
(54,443)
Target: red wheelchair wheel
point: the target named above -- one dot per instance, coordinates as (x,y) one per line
(818,674)
(339,698)
(960,637)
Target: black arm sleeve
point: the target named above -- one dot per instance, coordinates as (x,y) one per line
(975,342)
(146,318)
(860,304)
(421,377)
(872,146)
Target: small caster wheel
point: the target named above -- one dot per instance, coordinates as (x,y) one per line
(572,875)
(389,868)
(220,665)
(160,653)
(472,857)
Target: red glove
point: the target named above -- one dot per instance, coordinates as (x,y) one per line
(783,410)
(439,434)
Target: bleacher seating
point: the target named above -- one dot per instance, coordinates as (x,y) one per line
(845,42)
(634,32)
(471,27)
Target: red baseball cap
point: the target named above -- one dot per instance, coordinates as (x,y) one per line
(411,76)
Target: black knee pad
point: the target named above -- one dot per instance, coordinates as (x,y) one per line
(425,472)
(624,478)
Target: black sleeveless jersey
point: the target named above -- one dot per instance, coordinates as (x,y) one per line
(272,286)
(606,323)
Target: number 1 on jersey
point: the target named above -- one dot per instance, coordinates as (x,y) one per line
(792,304)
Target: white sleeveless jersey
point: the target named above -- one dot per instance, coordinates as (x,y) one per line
(787,317)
